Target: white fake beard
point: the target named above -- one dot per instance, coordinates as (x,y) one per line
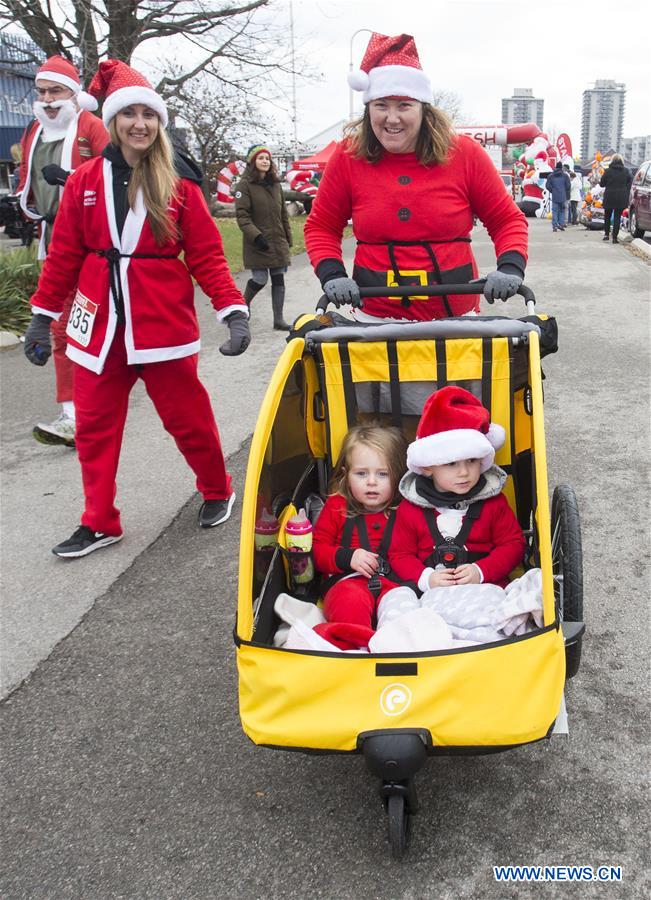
(55,129)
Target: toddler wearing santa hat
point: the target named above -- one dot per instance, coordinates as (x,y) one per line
(454,525)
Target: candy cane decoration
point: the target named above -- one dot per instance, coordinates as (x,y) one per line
(301,181)
(225,180)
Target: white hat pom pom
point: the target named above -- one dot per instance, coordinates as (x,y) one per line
(86,101)
(496,435)
(358,80)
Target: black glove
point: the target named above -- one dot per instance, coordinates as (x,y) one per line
(38,347)
(54,174)
(261,242)
(341,291)
(240,335)
(501,285)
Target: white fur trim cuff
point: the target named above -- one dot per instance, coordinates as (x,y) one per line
(234,307)
(38,311)
(398,81)
(60,79)
(127,96)
(450,446)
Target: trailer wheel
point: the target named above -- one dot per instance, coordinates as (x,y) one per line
(567,565)
(398,825)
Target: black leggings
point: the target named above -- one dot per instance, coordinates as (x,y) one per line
(608,211)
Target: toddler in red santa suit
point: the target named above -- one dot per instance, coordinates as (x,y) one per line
(352,535)
(132,233)
(454,525)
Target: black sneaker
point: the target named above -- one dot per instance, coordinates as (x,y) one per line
(214,512)
(83,542)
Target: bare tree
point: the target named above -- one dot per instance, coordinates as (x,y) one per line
(449,102)
(219,123)
(219,38)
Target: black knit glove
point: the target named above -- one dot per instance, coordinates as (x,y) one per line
(261,242)
(240,335)
(38,347)
(54,174)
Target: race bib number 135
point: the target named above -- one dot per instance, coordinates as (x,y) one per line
(82,319)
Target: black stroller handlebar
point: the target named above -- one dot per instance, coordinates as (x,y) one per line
(429,290)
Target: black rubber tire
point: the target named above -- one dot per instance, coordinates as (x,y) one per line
(567,565)
(632,224)
(398,821)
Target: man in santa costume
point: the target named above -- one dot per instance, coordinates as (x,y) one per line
(63,135)
(133,234)
(455,526)
(412,188)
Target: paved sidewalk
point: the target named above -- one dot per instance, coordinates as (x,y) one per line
(44,598)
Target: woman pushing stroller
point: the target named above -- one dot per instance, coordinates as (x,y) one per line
(412,187)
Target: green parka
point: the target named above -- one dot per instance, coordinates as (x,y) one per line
(260,209)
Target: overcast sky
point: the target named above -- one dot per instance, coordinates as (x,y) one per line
(482,50)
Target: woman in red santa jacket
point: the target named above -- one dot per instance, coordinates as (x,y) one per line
(124,221)
(412,188)
(455,525)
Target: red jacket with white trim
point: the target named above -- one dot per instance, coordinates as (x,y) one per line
(495,532)
(399,199)
(161,321)
(90,140)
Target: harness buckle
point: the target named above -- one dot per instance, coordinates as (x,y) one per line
(420,274)
(450,555)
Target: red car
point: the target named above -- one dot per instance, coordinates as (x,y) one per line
(639,203)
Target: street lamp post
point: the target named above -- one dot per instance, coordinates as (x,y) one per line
(350,69)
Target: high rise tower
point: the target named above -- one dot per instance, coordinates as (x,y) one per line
(522,107)
(603,117)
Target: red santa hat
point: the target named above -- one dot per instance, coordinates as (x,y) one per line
(454,425)
(118,85)
(391,68)
(62,71)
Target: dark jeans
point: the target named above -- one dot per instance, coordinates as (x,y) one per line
(617,215)
(574,212)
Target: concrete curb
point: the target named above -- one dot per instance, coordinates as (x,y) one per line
(8,339)
(642,247)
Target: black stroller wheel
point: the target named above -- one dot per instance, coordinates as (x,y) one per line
(567,566)
(398,817)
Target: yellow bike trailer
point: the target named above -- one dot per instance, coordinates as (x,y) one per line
(398,709)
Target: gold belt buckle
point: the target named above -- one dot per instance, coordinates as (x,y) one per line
(421,274)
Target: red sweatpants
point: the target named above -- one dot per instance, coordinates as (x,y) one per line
(63,367)
(184,407)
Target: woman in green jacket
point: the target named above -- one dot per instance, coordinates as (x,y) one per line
(262,216)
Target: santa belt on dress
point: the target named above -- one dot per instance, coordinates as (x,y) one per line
(396,278)
(113,257)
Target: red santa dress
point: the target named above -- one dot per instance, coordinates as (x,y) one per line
(349,600)
(415,220)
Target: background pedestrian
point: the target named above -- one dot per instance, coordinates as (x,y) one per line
(61,137)
(617,183)
(266,234)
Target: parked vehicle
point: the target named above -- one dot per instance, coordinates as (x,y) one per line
(639,203)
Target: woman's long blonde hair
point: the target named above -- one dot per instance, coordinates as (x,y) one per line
(432,146)
(388,442)
(155,174)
